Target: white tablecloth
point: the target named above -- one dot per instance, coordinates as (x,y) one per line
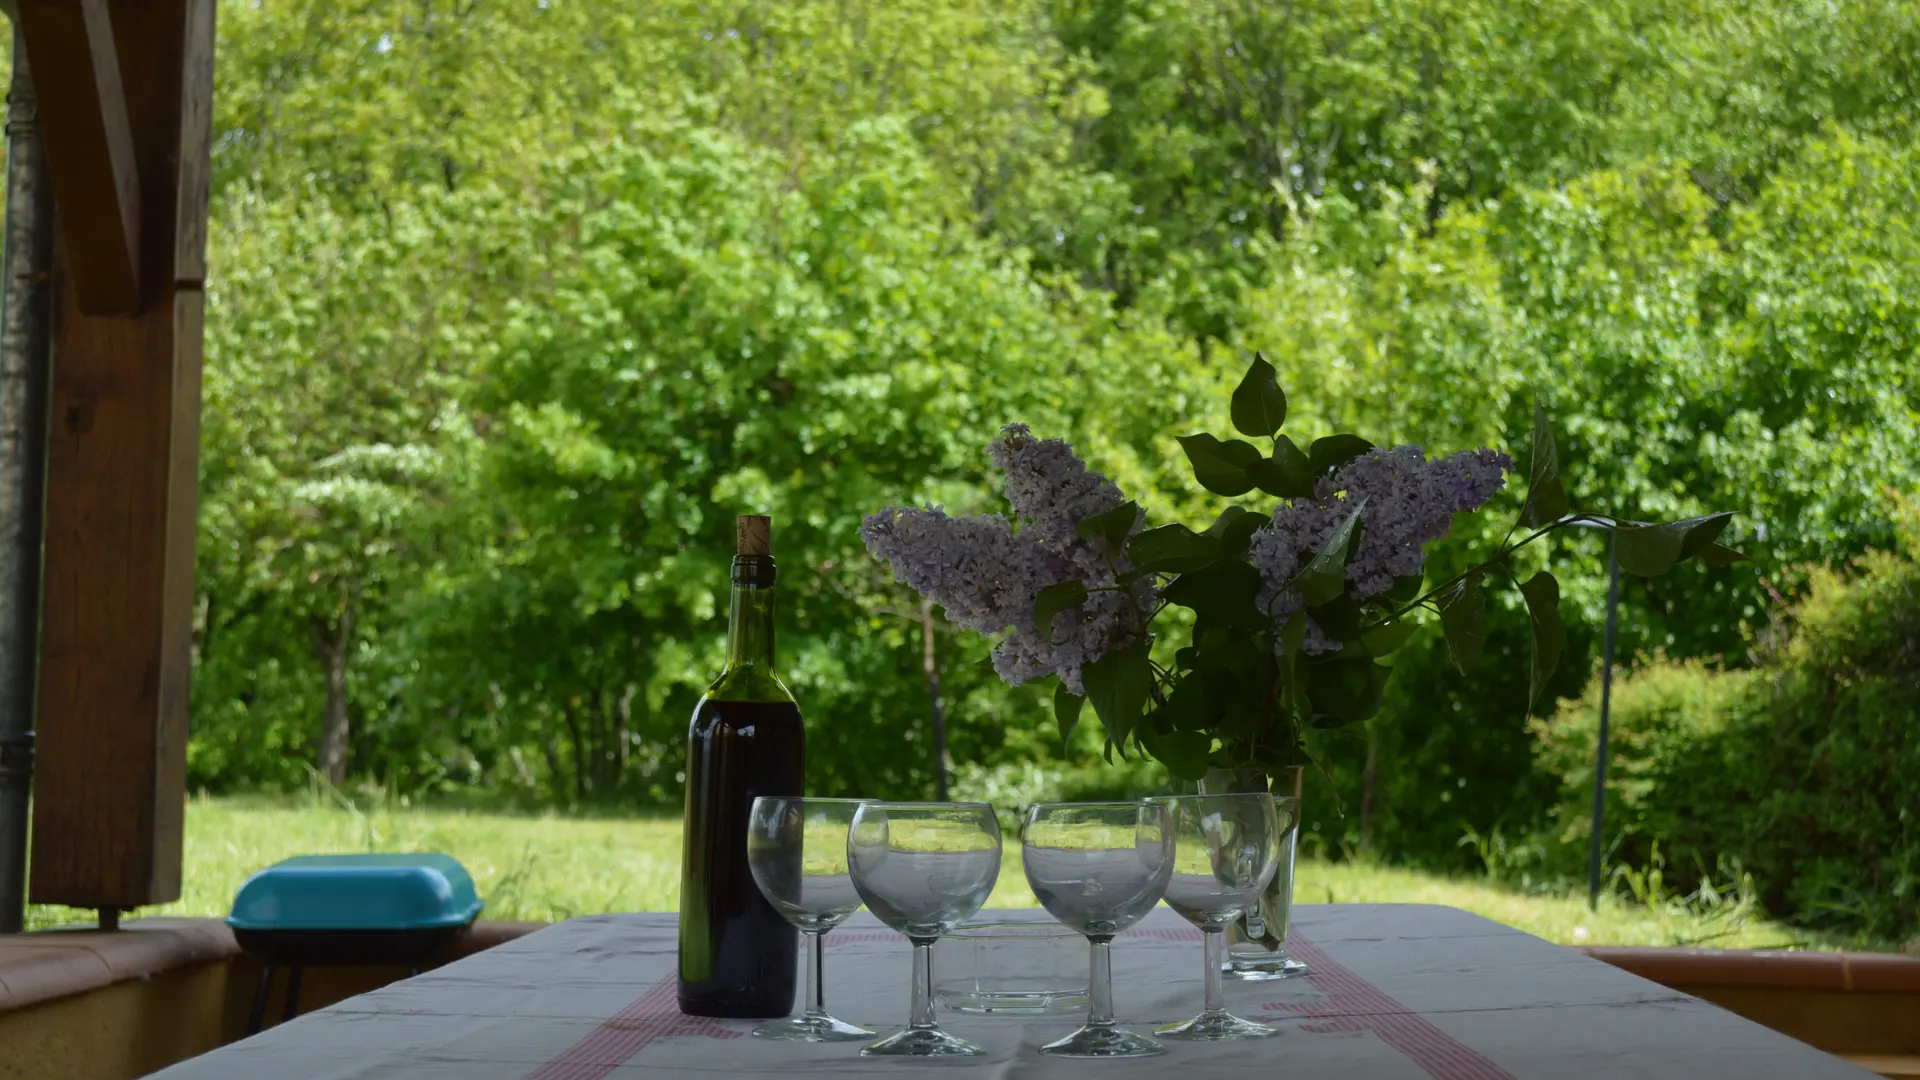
(1398,992)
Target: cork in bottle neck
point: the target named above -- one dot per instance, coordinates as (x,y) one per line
(755,532)
(753,558)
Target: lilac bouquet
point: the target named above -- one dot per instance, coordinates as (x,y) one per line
(1292,609)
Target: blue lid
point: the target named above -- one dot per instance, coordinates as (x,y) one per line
(357,892)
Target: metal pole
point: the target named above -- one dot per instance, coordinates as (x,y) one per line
(1606,706)
(26,259)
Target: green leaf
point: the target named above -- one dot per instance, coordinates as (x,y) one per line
(1259,405)
(1546,497)
(1186,707)
(1326,576)
(1184,753)
(1117,685)
(1233,528)
(1240,710)
(1223,648)
(1223,592)
(1294,633)
(1546,503)
(1172,549)
(1463,618)
(1294,687)
(1542,593)
(1054,599)
(1340,618)
(1066,711)
(1722,555)
(1288,474)
(1328,454)
(1403,590)
(1221,467)
(1651,550)
(1112,526)
(1386,638)
(1347,691)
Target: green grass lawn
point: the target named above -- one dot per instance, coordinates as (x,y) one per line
(551,867)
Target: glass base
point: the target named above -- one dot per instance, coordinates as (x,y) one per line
(1265,969)
(814,1029)
(1212,1026)
(922,1042)
(1104,1041)
(969,1000)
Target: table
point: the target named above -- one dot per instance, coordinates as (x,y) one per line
(1397,992)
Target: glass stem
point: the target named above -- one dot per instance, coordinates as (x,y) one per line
(1100,983)
(816,985)
(1214,936)
(922,1019)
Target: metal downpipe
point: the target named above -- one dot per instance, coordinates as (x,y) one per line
(26,260)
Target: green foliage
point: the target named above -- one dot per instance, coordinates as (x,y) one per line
(1624,302)
(512,307)
(1229,118)
(1800,771)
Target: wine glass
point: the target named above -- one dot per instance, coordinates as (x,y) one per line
(1099,868)
(1225,850)
(923,868)
(797,850)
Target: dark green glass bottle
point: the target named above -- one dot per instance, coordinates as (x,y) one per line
(737,955)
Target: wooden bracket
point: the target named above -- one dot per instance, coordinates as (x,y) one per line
(90,148)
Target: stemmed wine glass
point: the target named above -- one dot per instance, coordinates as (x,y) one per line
(797,850)
(923,868)
(1099,868)
(1225,850)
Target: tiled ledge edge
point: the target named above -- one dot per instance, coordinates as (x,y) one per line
(1680,968)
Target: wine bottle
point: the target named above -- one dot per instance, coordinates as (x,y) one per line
(737,955)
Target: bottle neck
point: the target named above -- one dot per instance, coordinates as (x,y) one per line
(750,616)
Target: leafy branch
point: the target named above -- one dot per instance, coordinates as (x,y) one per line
(1254,681)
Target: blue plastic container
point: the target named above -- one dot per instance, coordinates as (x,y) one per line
(354,909)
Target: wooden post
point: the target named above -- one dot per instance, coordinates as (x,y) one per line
(109,793)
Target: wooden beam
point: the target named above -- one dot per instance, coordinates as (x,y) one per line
(91,157)
(109,794)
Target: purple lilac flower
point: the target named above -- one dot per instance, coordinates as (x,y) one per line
(1052,491)
(984,574)
(1410,503)
(1107,621)
(987,576)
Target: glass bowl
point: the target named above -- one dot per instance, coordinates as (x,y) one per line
(1011,967)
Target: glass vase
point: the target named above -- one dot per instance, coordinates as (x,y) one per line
(1257,940)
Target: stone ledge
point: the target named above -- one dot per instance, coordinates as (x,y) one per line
(50,964)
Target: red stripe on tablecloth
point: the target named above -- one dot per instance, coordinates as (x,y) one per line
(1354,1004)
(855,937)
(1350,1004)
(1166,933)
(653,1015)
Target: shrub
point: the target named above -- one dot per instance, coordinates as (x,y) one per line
(1804,770)
(1663,718)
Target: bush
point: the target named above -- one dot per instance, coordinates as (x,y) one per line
(1659,774)
(1804,771)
